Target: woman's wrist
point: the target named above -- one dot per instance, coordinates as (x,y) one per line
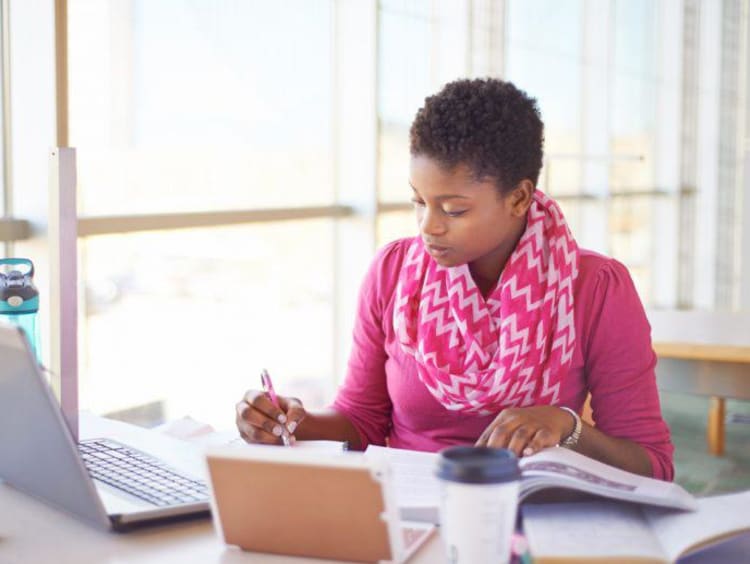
(328,425)
(571,439)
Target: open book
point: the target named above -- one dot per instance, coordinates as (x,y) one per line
(418,490)
(607,531)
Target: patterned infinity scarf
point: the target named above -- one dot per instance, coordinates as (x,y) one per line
(512,349)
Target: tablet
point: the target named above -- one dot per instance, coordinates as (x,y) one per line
(300,502)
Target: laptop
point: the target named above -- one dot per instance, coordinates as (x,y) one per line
(301,503)
(101,481)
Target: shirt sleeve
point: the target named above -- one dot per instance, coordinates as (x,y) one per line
(363,396)
(620,368)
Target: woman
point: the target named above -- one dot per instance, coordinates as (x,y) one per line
(491,327)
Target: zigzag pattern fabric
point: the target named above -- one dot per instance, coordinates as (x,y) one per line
(512,349)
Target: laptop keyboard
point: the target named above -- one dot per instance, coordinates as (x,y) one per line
(139,474)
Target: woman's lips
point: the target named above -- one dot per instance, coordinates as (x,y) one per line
(436,250)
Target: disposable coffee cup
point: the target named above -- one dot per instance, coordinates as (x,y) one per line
(479,499)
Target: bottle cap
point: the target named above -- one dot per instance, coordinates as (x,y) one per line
(17,291)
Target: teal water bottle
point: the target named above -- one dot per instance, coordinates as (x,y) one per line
(19,299)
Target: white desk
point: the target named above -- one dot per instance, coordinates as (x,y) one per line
(705,353)
(31,531)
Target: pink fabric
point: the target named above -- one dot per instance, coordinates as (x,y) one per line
(512,349)
(384,398)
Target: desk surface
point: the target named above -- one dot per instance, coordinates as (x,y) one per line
(33,532)
(701,335)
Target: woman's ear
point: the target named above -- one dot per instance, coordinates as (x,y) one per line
(521,197)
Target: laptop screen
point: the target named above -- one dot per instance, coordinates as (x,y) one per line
(37,453)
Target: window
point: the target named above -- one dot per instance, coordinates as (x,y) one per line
(595,72)
(422,45)
(544,54)
(199,125)
(180,107)
(181,322)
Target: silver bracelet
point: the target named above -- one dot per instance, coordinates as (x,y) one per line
(572,440)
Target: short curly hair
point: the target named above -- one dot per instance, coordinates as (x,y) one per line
(487,124)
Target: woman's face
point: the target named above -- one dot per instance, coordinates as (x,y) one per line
(464,221)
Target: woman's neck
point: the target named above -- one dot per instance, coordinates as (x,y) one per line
(486,271)
(485,285)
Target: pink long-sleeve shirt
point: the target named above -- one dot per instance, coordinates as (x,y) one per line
(613,360)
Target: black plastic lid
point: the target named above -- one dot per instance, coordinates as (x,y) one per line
(478,465)
(17,283)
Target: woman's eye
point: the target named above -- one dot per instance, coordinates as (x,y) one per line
(454,213)
(418,203)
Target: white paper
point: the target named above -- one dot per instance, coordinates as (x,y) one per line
(716,516)
(586,530)
(416,487)
(610,528)
(204,435)
(185,428)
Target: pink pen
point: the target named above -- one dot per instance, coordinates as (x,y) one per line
(265,379)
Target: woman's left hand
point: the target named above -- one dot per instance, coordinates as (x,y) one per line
(526,430)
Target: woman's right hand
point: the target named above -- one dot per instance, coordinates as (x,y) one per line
(260,421)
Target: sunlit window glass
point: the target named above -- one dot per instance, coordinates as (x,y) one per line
(182,322)
(184,106)
(544,58)
(203,106)
(404,61)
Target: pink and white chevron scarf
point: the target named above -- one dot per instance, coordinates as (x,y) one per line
(512,349)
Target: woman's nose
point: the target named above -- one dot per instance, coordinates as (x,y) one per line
(431,223)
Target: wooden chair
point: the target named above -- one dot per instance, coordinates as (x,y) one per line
(587,415)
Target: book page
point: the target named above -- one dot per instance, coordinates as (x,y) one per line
(591,530)
(716,517)
(416,487)
(734,549)
(562,467)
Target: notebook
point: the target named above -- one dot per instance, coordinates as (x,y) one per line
(299,502)
(100,481)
